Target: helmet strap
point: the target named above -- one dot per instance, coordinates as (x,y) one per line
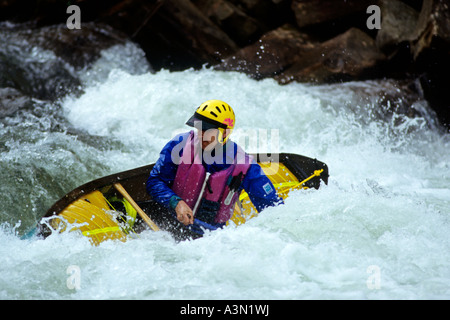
(223,135)
(220,136)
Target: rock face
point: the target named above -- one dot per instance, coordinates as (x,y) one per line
(348,56)
(398,25)
(318,41)
(313,12)
(43,62)
(289,55)
(11,100)
(273,53)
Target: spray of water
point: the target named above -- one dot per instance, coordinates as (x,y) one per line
(379,230)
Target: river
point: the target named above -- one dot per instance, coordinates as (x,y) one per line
(378,230)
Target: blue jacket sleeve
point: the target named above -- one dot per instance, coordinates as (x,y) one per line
(163,173)
(260,189)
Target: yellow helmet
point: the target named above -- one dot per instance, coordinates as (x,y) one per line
(215,114)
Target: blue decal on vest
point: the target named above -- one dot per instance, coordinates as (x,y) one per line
(267,188)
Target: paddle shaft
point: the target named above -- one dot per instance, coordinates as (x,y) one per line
(145,217)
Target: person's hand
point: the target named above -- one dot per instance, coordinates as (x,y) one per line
(184,213)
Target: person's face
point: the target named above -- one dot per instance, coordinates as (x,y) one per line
(208,138)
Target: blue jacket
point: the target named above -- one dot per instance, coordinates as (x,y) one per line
(259,188)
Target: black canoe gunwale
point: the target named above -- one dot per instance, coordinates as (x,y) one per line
(134,180)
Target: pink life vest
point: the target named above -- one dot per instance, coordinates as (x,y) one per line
(191,175)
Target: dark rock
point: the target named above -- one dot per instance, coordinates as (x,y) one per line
(270,55)
(203,36)
(11,101)
(46,62)
(350,55)
(431,51)
(289,55)
(270,14)
(174,34)
(311,12)
(77,47)
(32,70)
(433,26)
(242,28)
(326,41)
(43,62)
(397,26)
(387,100)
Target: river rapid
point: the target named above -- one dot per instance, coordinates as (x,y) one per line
(378,230)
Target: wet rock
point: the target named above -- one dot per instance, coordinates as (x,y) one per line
(245,21)
(312,12)
(32,70)
(433,27)
(203,36)
(276,51)
(243,29)
(350,55)
(11,100)
(289,55)
(397,26)
(174,34)
(77,47)
(326,41)
(431,51)
(44,62)
(386,100)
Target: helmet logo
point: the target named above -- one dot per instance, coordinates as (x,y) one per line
(229,122)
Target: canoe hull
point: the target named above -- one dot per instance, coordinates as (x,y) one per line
(86,209)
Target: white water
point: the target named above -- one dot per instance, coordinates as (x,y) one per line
(379,230)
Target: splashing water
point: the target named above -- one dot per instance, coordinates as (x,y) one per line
(379,230)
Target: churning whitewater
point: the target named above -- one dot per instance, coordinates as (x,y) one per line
(378,230)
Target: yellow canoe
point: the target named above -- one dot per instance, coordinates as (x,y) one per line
(98,211)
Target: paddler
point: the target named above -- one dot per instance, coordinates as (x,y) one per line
(200,174)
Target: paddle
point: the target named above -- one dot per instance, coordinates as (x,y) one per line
(145,217)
